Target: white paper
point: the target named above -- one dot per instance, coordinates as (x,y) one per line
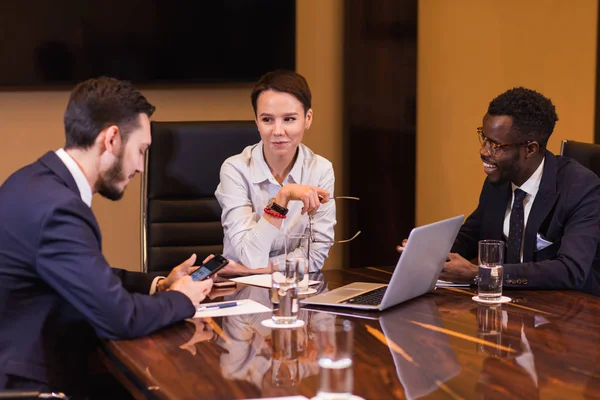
(441,283)
(262,280)
(245,306)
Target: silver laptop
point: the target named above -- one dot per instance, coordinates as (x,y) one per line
(415,274)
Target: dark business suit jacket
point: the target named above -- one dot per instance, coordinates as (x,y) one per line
(565,212)
(57,292)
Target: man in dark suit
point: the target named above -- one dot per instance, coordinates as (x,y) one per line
(57,291)
(545,207)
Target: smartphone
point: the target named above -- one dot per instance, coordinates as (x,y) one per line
(208,269)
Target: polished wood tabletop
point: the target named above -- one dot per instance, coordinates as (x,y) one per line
(543,344)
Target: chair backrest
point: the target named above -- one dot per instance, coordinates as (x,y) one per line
(180,214)
(587,154)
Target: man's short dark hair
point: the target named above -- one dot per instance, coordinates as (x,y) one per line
(285,82)
(96,104)
(533,115)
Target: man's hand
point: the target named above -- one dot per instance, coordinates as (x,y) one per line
(195,291)
(183,269)
(400,247)
(311,196)
(458,270)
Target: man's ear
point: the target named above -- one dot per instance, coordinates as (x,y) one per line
(532,148)
(110,139)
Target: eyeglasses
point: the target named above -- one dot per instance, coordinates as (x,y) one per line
(311,222)
(495,148)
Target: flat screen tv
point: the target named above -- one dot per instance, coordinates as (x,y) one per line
(146,41)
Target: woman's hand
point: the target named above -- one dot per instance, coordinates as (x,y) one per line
(233,269)
(310,196)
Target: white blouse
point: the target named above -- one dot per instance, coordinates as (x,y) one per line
(246,186)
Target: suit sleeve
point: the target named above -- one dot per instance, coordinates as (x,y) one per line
(135,282)
(470,232)
(70,260)
(573,262)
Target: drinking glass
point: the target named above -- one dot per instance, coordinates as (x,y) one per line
(284,291)
(334,347)
(298,251)
(489,279)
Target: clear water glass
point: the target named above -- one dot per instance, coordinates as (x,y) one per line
(284,291)
(298,249)
(334,346)
(490,271)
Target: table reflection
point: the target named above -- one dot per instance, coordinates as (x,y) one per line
(423,357)
(273,360)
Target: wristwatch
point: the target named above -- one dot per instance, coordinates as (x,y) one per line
(276,207)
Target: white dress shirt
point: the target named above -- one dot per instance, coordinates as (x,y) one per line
(246,187)
(85,191)
(531,187)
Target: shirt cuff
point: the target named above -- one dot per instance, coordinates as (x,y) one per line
(154,284)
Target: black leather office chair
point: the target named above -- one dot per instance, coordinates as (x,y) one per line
(180,214)
(587,154)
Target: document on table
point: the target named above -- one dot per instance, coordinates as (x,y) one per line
(245,306)
(441,283)
(263,280)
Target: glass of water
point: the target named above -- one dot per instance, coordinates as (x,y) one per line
(284,291)
(298,250)
(489,279)
(334,347)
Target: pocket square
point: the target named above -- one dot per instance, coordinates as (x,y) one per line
(541,243)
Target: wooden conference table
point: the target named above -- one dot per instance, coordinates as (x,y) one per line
(545,344)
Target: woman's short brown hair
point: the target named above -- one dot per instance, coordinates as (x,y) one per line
(286,82)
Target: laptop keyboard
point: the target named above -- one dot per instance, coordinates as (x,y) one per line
(372,298)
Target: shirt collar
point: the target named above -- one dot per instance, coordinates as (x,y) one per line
(260,172)
(532,185)
(85,190)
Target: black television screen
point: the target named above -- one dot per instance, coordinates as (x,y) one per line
(64,41)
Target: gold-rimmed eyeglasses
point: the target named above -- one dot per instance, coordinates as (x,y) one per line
(493,147)
(311,222)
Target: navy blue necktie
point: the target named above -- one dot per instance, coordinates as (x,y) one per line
(515,233)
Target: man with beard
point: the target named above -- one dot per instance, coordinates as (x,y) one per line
(545,207)
(57,291)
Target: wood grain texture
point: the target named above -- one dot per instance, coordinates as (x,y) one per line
(546,344)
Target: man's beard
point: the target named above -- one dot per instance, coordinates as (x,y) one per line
(107,183)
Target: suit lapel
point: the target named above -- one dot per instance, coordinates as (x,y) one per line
(542,205)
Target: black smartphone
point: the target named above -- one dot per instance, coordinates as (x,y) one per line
(208,269)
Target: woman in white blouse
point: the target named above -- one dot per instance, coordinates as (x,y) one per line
(272,187)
